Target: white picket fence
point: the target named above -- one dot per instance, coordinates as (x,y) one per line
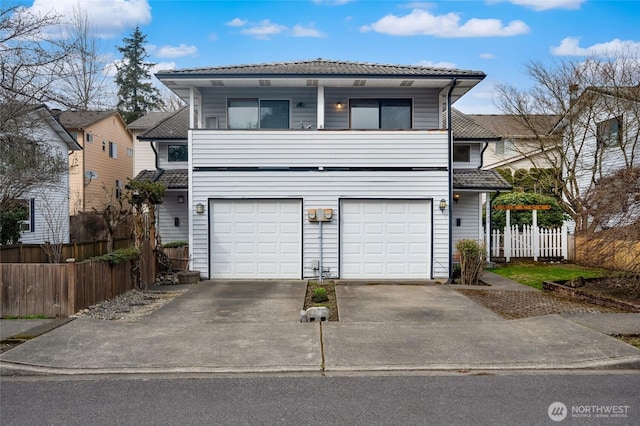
(532,242)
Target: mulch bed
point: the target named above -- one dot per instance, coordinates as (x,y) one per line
(332,303)
(525,304)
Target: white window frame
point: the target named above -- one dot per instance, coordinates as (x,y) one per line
(113,150)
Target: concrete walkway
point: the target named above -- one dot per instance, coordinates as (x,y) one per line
(242,327)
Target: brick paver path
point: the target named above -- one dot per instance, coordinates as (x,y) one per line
(524,304)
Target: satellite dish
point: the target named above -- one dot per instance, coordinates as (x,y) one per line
(91,175)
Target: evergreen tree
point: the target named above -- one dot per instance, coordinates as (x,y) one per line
(136,94)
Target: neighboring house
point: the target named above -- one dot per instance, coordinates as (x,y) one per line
(168,142)
(102,169)
(48,205)
(341,167)
(519,147)
(601,137)
(143,154)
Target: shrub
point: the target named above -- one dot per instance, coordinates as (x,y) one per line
(319,295)
(174,244)
(118,256)
(472,260)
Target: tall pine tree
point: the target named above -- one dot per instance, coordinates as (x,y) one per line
(136,94)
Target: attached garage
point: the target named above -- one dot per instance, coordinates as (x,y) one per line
(385,239)
(255,238)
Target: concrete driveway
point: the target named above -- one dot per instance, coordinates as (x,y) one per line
(408,303)
(235,301)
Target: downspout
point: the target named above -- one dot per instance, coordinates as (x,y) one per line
(484,148)
(450,168)
(155,154)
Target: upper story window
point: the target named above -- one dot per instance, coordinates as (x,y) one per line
(610,132)
(258,114)
(390,114)
(461,153)
(89,137)
(113,150)
(178,153)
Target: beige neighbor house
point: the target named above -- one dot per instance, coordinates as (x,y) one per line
(518,148)
(329,169)
(104,165)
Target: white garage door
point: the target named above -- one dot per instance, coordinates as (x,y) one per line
(256,238)
(385,239)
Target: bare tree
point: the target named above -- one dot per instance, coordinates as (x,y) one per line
(584,93)
(115,212)
(85,79)
(30,65)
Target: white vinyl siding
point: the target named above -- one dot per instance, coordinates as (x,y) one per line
(320,189)
(321,149)
(469,210)
(168,211)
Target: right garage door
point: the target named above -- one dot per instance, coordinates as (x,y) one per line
(388,239)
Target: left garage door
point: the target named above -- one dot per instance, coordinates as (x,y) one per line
(256,239)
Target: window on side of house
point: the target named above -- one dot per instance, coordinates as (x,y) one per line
(386,114)
(177,153)
(113,150)
(258,114)
(504,147)
(461,153)
(89,137)
(610,132)
(27,207)
(118,189)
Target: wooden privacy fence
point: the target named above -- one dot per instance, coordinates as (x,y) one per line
(61,290)
(34,253)
(530,242)
(620,255)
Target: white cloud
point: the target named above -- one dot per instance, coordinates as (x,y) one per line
(441,64)
(264,30)
(237,22)
(176,51)
(421,22)
(540,5)
(108,17)
(310,31)
(570,46)
(163,66)
(487,56)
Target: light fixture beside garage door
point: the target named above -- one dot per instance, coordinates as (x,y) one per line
(199,208)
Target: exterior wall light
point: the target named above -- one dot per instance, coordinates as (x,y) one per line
(339,105)
(456,197)
(180,199)
(199,208)
(443,204)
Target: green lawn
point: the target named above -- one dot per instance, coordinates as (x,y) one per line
(533,274)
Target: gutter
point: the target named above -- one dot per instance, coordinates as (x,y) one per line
(454,82)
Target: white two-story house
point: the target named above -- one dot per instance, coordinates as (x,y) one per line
(340,168)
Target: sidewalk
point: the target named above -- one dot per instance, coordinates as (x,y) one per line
(218,327)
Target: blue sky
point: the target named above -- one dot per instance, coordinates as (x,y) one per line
(497,37)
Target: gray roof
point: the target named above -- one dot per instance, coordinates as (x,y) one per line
(175,126)
(512,126)
(487,180)
(171,179)
(322,67)
(466,128)
(83,119)
(149,120)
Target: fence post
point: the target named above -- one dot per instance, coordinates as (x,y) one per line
(535,236)
(565,242)
(507,237)
(71,287)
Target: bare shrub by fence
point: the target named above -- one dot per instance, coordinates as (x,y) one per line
(60,290)
(34,253)
(619,254)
